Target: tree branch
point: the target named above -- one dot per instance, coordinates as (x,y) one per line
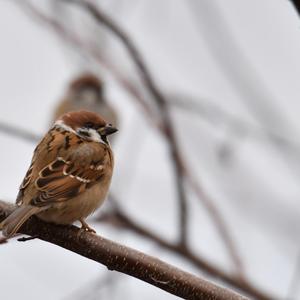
(123,259)
(215,115)
(162,105)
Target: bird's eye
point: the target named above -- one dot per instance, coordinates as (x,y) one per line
(89,125)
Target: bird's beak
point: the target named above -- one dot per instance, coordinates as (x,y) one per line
(107,130)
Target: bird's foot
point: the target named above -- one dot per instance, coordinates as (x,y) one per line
(85,226)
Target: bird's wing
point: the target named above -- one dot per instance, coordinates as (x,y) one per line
(64,179)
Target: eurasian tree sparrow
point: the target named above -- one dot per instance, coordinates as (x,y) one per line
(86,92)
(69,175)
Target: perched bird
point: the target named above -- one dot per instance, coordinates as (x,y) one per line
(69,175)
(86,92)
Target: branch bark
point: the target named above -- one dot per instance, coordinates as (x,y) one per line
(123,259)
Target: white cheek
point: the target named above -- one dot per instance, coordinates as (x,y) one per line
(62,125)
(94,136)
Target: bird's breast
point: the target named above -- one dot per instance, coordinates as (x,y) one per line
(67,212)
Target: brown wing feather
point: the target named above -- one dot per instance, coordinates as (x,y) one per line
(62,180)
(28,176)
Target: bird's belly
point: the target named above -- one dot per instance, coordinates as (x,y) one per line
(67,212)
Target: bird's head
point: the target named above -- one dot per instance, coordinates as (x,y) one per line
(87,125)
(87,87)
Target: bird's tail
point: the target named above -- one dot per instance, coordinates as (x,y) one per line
(14,221)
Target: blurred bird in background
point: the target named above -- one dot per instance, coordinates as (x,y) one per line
(86,92)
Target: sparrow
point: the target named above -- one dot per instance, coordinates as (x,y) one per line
(86,92)
(69,175)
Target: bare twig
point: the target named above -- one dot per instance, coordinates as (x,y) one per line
(216,115)
(293,288)
(161,103)
(209,205)
(124,259)
(18,132)
(70,37)
(294,284)
(296,6)
(210,112)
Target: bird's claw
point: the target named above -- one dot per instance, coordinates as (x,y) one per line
(86,227)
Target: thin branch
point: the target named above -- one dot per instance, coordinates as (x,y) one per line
(293,288)
(18,132)
(296,6)
(216,115)
(161,103)
(124,259)
(89,48)
(212,113)
(294,283)
(209,204)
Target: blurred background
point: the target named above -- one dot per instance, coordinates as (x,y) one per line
(208,151)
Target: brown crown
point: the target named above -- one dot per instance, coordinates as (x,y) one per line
(87,80)
(78,119)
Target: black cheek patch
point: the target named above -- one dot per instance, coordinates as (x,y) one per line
(84,133)
(67,142)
